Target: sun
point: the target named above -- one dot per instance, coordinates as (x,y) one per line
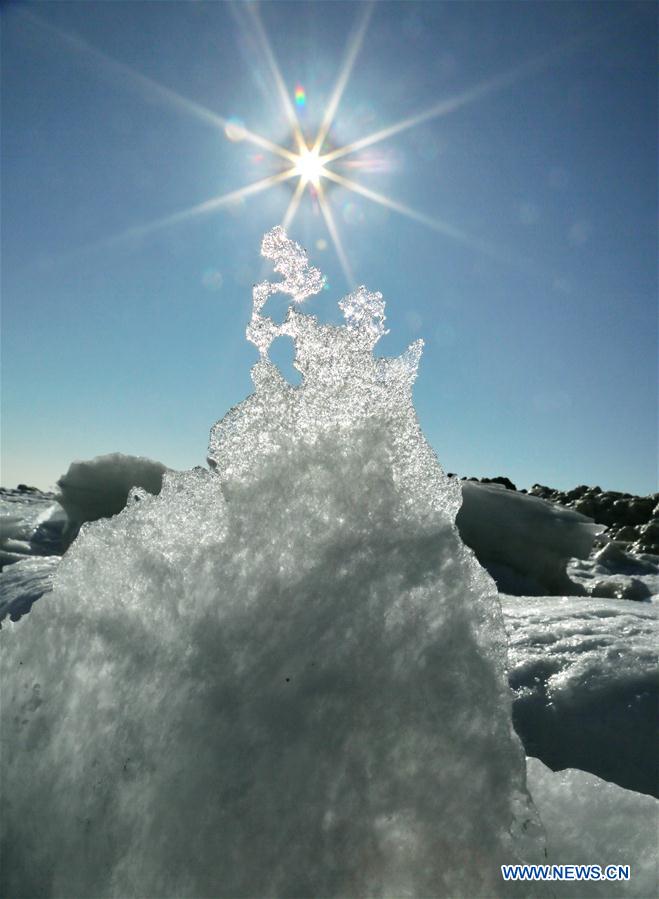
(303,160)
(309,166)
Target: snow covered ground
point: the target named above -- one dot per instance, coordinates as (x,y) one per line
(584,676)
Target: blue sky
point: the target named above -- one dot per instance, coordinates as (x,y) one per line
(538,308)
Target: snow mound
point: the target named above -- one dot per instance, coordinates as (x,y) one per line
(283,678)
(585,678)
(99,487)
(589,821)
(524,542)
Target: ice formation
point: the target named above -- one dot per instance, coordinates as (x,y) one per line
(99,487)
(283,677)
(590,821)
(525,542)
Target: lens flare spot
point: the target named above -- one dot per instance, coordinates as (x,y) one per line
(352,214)
(321,244)
(212,279)
(234,129)
(300,96)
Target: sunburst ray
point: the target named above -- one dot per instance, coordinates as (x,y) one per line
(148,88)
(328,215)
(285,100)
(435,224)
(463,98)
(307,163)
(354,46)
(193,212)
(294,204)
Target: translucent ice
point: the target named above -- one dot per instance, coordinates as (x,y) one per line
(283,677)
(590,821)
(525,542)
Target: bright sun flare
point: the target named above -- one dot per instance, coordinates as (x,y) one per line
(309,167)
(305,161)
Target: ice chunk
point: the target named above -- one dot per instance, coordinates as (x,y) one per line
(22,584)
(98,488)
(590,821)
(289,259)
(343,385)
(13,527)
(30,524)
(524,541)
(364,311)
(285,677)
(300,281)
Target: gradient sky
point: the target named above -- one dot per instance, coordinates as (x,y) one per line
(539,312)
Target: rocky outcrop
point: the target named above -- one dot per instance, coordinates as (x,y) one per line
(632,521)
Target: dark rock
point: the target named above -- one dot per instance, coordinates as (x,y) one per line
(627,534)
(507,483)
(650,530)
(542,491)
(627,588)
(585,506)
(577,492)
(645,549)
(640,509)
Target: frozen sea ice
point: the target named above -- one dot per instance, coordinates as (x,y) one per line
(281,677)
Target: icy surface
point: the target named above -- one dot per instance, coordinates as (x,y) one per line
(586,681)
(285,677)
(525,542)
(589,821)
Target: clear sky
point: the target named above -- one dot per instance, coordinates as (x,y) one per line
(522,248)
